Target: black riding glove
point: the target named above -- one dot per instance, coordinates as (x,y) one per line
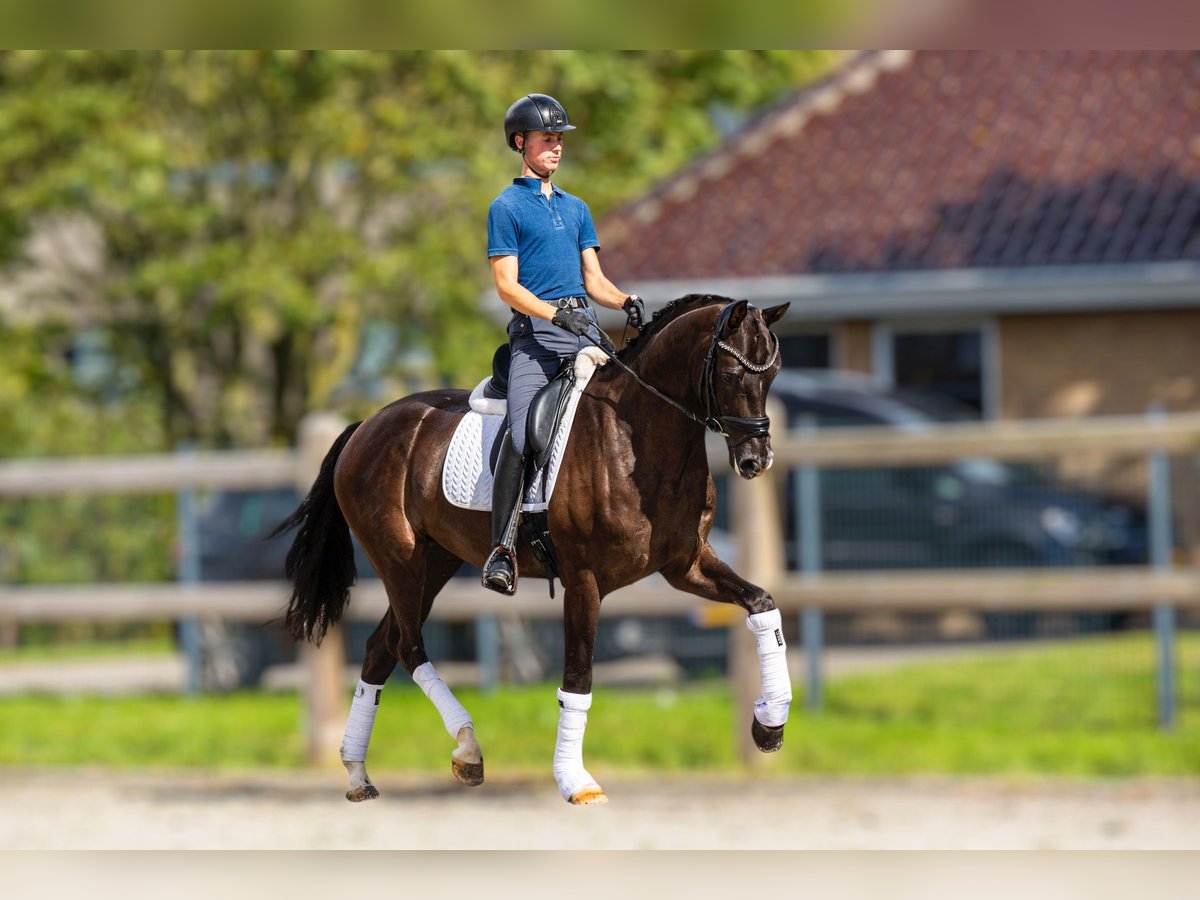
(572,320)
(635,311)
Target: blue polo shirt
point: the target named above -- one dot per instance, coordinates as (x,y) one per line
(546,234)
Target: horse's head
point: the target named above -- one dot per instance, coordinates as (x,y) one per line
(739,367)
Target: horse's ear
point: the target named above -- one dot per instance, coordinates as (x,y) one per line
(775,313)
(736,316)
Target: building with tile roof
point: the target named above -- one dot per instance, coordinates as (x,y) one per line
(1020,229)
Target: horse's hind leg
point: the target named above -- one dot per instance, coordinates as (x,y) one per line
(439,565)
(378,664)
(397,638)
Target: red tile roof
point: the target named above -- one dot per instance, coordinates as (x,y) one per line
(938,160)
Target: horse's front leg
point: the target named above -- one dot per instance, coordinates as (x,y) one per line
(581,614)
(710,578)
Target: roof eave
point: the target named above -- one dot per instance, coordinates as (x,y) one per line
(951,292)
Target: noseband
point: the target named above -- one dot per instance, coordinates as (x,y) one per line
(742,427)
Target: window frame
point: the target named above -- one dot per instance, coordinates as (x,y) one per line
(828,331)
(883,362)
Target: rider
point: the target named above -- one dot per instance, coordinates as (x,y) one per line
(543,251)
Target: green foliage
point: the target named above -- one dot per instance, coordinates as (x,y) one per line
(79,539)
(1082,708)
(75,537)
(255,213)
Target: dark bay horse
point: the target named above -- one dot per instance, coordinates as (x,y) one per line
(633,497)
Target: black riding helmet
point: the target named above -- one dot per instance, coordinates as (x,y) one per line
(534,112)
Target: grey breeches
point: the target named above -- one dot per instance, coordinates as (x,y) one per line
(538,349)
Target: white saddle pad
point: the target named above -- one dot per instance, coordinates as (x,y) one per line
(466,474)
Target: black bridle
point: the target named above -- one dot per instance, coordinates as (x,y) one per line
(744,428)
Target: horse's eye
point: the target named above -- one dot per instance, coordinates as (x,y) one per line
(727,377)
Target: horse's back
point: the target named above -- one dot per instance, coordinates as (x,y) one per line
(399,449)
(426,411)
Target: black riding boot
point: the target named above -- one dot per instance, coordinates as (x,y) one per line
(500,570)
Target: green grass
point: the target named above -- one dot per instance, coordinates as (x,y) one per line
(1080,708)
(1077,708)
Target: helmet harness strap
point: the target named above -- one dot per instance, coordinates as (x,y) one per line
(545,176)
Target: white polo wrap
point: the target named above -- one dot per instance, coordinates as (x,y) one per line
(569,772)
(772,707)
(453,714)
(362,719)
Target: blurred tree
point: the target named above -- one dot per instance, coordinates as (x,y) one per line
(229,228)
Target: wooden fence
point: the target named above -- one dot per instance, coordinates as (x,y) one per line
(755,524)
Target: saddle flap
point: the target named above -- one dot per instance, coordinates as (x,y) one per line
(546,412)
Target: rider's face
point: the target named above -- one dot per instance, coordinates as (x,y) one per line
(543,149)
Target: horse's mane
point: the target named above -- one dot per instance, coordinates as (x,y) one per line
(664,317)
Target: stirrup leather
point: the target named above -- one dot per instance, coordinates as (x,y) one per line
(500,571)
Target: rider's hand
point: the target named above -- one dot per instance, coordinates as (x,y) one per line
(572,320)
(635,311)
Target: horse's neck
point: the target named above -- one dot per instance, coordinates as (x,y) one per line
(651,438)
(659,436)
(673,369)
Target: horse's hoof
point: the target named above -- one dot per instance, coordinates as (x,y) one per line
(361,793)
(467,772)
(588,796)
(767,738)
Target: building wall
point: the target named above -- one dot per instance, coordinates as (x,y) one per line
(1108,364)
(852,346)
(1099,364)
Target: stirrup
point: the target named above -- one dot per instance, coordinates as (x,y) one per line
(500,571)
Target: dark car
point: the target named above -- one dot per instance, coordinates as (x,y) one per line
(233,544)
(973,513)
(233,528)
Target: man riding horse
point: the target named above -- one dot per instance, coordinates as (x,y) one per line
(544,255)
(634,478)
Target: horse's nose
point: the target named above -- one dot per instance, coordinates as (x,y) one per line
(749,467)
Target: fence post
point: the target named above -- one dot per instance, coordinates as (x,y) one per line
(812,624)
(325,666)
(188,575)
(754,515)
(487,650)
(1159,509)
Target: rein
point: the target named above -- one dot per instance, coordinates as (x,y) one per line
(748,427)
(712,426)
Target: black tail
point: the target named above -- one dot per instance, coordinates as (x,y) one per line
(320,564)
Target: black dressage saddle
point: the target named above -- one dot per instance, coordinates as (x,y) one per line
(545,411)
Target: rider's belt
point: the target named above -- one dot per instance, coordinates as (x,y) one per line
(568,302)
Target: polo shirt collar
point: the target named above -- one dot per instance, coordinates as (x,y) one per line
(535,184)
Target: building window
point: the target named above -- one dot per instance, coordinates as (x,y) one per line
(805,351)
(947,361)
